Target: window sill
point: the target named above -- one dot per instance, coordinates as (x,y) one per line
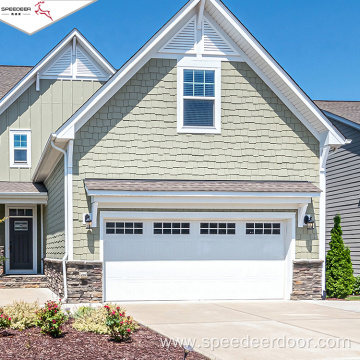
(198,130)
(16,166)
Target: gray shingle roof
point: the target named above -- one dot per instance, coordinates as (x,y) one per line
(21,187)
(346,109)
(193,185)
(10,76)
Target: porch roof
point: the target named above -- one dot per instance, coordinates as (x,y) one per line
(22,192)
(195,185)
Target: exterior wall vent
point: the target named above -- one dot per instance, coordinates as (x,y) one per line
(214,43)
(62,66)
(183,41)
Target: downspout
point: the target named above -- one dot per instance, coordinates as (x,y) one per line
(66,217)
(322,238)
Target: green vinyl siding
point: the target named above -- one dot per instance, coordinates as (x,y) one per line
(54,214)
(134,136)
(42,112)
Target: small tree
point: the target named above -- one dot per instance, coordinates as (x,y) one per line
(339,270)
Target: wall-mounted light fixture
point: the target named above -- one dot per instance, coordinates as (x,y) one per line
(308,220)
(88,221)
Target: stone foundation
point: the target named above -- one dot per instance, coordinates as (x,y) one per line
(307,280)
(84,280)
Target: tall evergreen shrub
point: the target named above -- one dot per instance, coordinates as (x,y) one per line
(339,270)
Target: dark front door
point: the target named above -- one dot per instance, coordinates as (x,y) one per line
(21,244)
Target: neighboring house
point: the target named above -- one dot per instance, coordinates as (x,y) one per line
(342,176)
(187,175)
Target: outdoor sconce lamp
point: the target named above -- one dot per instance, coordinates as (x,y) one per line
(187,350)
(88,221)
(309,222)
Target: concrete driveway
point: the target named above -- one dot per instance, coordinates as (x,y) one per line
(258,329)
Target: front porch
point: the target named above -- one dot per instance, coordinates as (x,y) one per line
(21,234)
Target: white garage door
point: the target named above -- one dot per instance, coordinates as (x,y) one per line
(193,260)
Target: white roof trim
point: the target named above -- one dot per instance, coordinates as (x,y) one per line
(144,54)
(24,198)
(278,70)
(30,78)
(342,120)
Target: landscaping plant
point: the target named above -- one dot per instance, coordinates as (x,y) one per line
(5,320)
(119,325)
(23,314)
(50,318)
(357,286)
(91,319)
(339,270)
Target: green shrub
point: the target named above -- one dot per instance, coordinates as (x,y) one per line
(83,311)
(23,314)
(51,318)
(357,286)
(5,320)
(339,271)
(93,319)
(90,319)
(119,325)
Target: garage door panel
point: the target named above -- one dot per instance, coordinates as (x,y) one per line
(194,280)
(193,266)
(175,248)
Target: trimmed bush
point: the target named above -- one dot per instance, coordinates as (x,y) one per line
(357,286)
(119,325)
(5,320)
(50,319)
(339,270)
(23,314)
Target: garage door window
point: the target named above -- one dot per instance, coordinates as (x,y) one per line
(263,228)
(172,228)
(124,228)
(217,228)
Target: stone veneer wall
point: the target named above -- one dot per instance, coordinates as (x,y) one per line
(79,291)
(307,280)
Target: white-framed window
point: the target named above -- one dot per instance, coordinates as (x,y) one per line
(127,228)
(199,96)
(263,228)
(20,148)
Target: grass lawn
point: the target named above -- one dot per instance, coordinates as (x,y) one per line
(353,298)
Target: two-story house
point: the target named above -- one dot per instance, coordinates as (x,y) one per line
(195,171)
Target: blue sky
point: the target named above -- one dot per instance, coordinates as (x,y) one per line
(315,41)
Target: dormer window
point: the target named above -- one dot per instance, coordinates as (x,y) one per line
(20,148)
(199,96)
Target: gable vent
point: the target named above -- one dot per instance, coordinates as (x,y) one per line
(214,42)
(62,66)
(86,67)
(183,41)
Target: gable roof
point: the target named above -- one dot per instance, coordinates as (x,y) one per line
(10,75)
(26,81)
(249,48)
(347,109)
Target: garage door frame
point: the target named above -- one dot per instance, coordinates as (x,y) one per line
(287,218)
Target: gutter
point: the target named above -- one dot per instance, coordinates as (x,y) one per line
(67,175)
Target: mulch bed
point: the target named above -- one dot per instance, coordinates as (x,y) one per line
(74,345)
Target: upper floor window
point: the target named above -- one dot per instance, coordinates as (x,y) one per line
(20,148)
(199,96)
